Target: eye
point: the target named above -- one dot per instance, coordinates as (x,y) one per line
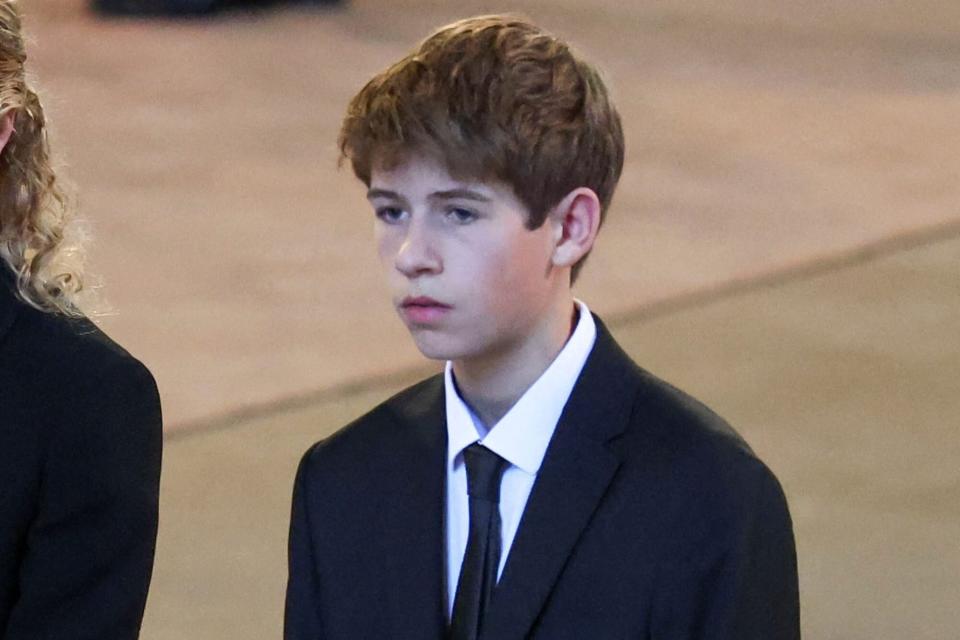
(461,216)
(389,215)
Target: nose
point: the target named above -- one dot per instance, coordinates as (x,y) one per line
(417,256)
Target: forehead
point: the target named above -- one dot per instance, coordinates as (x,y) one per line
(419,177)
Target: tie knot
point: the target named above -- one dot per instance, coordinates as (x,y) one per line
(484,469)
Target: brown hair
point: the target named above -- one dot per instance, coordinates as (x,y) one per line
(493,97)
(33,212)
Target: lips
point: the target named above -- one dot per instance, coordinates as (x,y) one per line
(423,309)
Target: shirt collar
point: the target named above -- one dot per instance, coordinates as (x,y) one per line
(522,435)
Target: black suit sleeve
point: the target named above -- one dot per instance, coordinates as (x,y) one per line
(89,550)
(740,580)
(302,615)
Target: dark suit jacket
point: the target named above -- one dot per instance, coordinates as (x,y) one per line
(80,445)
(650,518)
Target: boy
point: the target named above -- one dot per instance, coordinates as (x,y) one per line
(543,486)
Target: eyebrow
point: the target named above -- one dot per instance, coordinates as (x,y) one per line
(459,194)
(449,194)
(382,193)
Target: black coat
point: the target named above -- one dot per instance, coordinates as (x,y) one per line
(80,443)
(650,518)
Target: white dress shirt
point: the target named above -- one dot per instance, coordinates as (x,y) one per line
(520,437)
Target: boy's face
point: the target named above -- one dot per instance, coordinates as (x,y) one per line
(468,279)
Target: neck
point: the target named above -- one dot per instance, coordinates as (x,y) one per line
(492,384)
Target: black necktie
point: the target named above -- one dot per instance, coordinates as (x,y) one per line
(478,573)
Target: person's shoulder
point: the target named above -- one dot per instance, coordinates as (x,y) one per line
(74,361)
(683,419)
(73,341)
(697,449)
(658,415)
(382,430)
(86,400)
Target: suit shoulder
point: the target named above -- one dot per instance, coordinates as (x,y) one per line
(76,344)
(89,380)
(380,430)
(709,484)
(687,418)
(696,443)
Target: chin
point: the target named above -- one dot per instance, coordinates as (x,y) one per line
(439,347)
(436,352)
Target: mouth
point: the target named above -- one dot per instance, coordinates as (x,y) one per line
(422,301)
(423,310)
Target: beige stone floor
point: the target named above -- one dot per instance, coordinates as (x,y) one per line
(846,382)
(236,259)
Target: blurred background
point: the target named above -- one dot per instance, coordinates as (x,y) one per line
(784,244)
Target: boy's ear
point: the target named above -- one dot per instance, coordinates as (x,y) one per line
(6,128)
(575,221)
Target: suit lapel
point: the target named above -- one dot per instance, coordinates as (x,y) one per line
(576,471)
(413,547)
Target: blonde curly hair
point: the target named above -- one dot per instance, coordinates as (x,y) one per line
(33,208)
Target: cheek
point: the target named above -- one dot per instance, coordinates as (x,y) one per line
(515,277)
(386,245)
(529,256)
